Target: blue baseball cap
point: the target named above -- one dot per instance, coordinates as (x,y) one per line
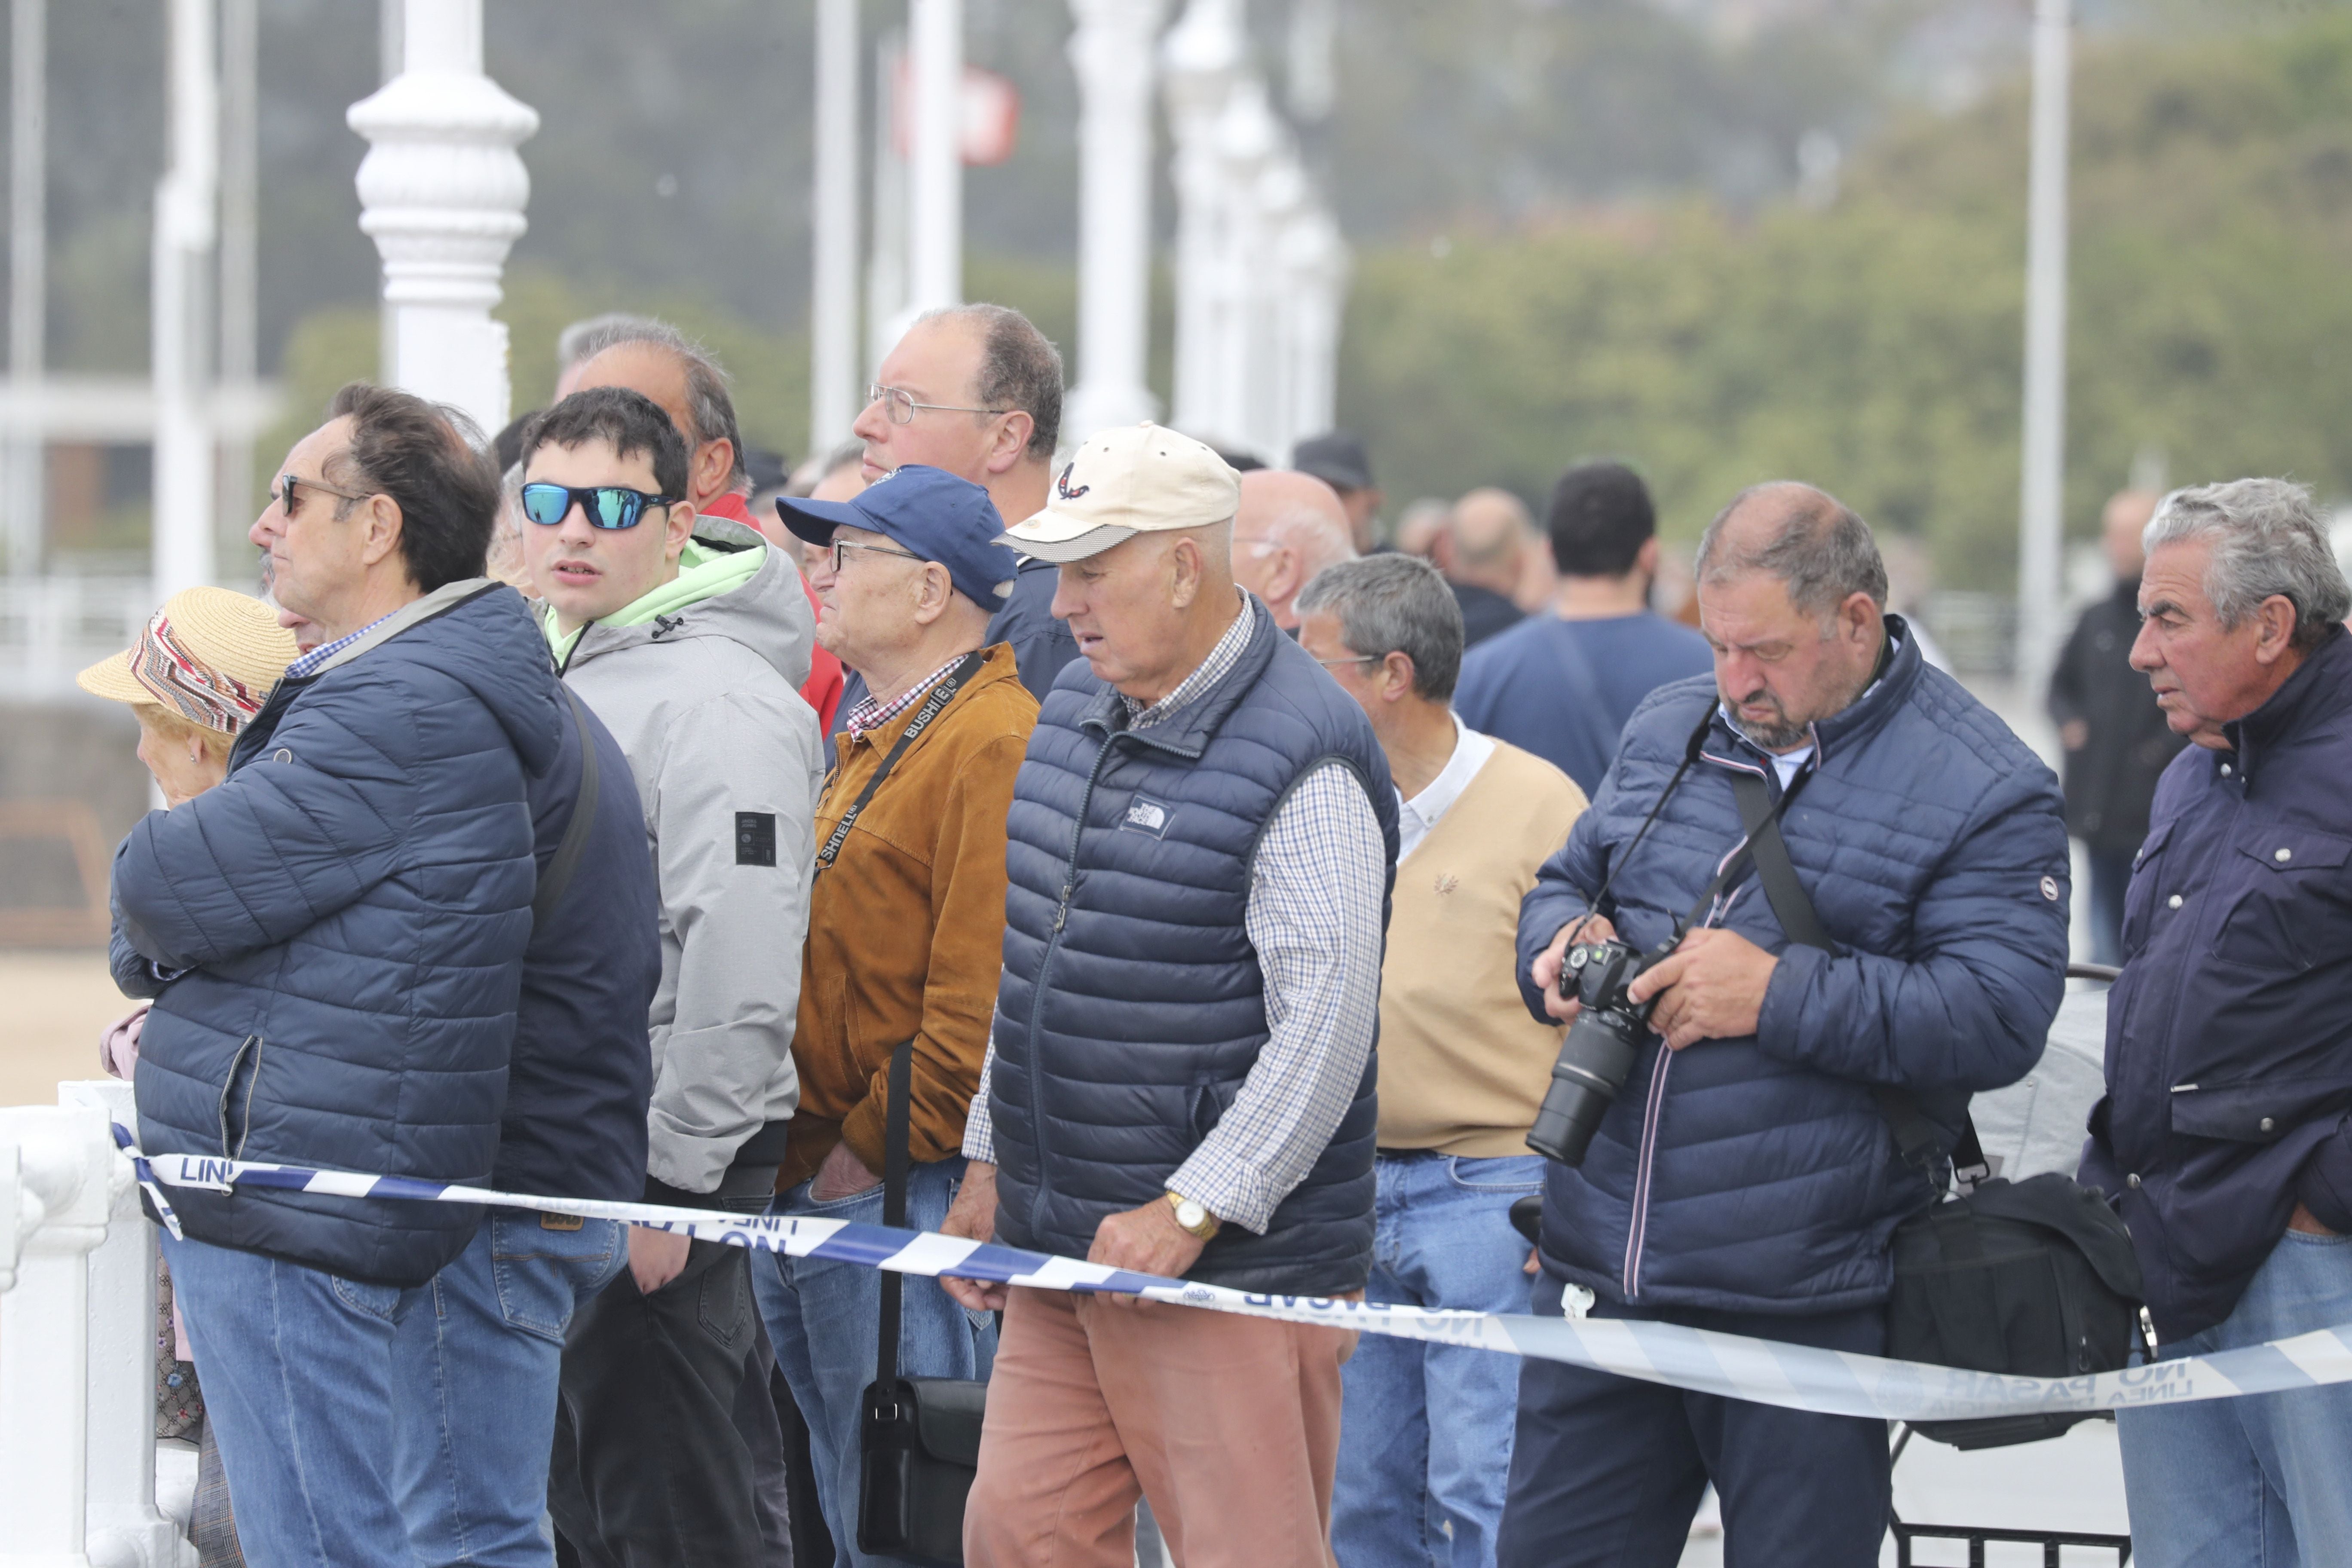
(927,510)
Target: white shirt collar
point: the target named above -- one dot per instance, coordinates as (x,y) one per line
(1416,816)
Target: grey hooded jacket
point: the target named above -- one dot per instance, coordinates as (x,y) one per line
(699,683)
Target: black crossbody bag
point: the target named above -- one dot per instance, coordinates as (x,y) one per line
(2032,1278)
(919,1438)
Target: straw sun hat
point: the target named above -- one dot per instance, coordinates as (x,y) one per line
(208,655)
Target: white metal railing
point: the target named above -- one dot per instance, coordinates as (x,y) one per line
(77,1341)
(54,626)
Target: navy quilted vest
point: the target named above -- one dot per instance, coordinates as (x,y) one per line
(1132,1006)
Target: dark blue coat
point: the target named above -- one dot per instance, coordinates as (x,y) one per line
(2230,1035)
(352,906)
(1133,1006)
(1757,1174)
(574,1125)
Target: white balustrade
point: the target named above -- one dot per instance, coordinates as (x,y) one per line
(66,1187)
(442,192)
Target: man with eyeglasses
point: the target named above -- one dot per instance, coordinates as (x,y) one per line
(976,390)
(906,934)
(334,936)
(680,376)
(1290,527)
(687,635)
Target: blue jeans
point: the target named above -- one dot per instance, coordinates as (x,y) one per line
(475,1364)
(298,1388)
(823,1318)
(2265,1481)
(1425,1430)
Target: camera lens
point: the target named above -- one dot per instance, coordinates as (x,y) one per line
(1594,1061)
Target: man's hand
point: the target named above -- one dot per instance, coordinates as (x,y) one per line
(1711,987)
(2308,1222)
(1545,970)
(972,1215)
(656,1256)
(841,1175)
(1146,1240)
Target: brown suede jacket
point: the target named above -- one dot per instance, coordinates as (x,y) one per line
(906,935)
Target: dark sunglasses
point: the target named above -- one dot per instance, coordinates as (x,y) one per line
(604,506)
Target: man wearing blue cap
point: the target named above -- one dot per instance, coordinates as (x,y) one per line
(906,932)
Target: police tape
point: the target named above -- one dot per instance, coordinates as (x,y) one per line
(1798,1377)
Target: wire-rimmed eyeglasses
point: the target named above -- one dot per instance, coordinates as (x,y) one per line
(900,405)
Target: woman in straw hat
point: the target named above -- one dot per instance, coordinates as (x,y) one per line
(202,667)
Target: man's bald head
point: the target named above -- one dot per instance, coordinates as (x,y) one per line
(662,366)
(2122,529)
(1486,537)
(1289,527)
(1807,537)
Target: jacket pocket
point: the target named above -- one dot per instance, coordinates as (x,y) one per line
(2255,1113)
(237,1097)
(2140,897)
(2288,910)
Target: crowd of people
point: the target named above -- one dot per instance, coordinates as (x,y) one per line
(1121,851)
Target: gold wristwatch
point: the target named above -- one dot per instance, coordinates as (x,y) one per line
(1192,1218)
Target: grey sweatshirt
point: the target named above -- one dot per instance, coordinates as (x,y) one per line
(698,681)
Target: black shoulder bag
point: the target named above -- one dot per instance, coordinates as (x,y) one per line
(919,1438)
(2033,1278)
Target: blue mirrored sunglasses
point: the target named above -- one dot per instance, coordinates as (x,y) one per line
(604,506)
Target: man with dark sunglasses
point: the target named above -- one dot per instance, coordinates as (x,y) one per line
(689,636)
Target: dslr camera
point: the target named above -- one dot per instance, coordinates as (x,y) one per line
(1600,1047)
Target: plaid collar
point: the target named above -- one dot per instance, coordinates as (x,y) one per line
(1213,668)
(303,668)
(872,713)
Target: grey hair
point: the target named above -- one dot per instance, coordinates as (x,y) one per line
(1019,368)
(1822,552)
(707,404)
(2267,539)
(1394,603)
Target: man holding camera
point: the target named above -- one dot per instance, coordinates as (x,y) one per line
(2223,1137)
(1744,1177)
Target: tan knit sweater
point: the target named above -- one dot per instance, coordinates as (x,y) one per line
(1463,1067)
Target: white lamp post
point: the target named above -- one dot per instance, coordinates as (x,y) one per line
(442,192)
(185,228)
(935,234)
(1112,53)
(833,223)
(1201,61)
(2041,511)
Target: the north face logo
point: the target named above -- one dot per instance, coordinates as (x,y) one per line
(1147,816)
(1061,489)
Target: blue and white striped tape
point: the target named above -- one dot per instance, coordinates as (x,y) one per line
(1800,1377)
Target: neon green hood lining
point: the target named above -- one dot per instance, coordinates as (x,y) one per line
(702,574)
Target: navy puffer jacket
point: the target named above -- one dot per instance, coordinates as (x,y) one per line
(351,907)
(1757,1174)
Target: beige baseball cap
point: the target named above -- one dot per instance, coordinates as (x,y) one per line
(1131,479)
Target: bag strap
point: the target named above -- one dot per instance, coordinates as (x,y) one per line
(941,695)
(567,856)
(894,1207)
(1917,1137)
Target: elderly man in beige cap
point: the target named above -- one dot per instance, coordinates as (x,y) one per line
(1179,1079)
